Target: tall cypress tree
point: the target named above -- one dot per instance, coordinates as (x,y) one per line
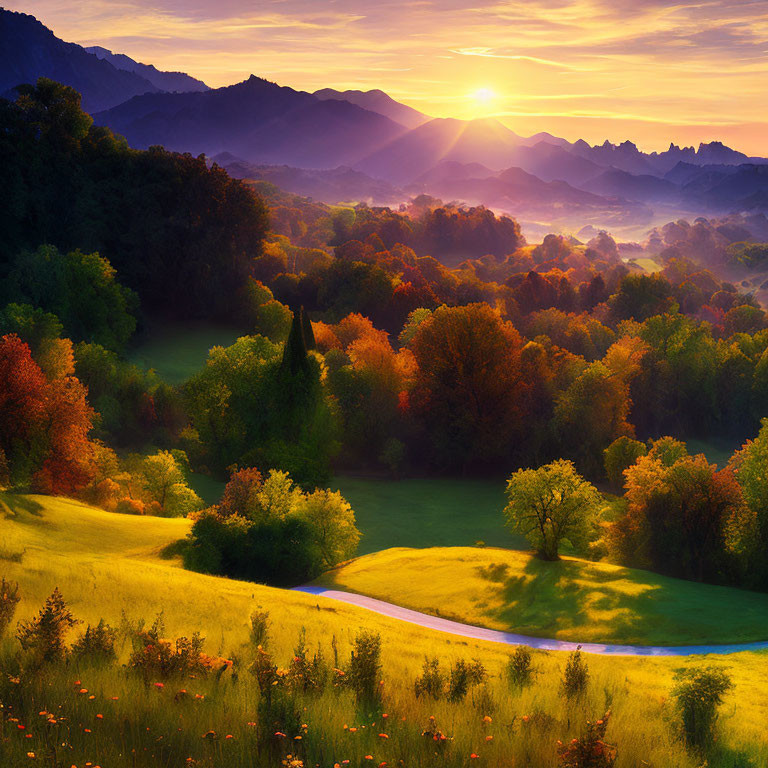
(306,327)
(295,361)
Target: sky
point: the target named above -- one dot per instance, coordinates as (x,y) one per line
(650,71)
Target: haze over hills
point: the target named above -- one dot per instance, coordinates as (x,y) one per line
(363,145)
(29,50)
(165,81)
(378,101)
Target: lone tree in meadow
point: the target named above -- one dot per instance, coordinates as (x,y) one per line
(549,504)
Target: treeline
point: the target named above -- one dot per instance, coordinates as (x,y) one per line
(180,234)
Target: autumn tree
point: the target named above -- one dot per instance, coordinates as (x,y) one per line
(682,515)
(467,385)
(551,504)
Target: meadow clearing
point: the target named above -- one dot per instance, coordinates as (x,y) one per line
(105,563)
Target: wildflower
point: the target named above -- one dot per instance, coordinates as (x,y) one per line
(385,715)
(159,686)
(474,756)
(279,735)
(210,735)
(229,736)
(87,730)
(83,691)
(21,727)
(369,757)
(115,698)
(489,738)
(251,724)
(487,719)
(91,697)
(31,755)
(353,730)
(383,736)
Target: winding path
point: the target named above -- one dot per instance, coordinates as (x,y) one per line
(509,638)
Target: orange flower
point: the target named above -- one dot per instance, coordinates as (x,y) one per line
(87,730)
(489,738)
(474,756)
(487,719)
(228,736)
(83,691)
(385,715)
(31,755)
(159,686)
(383,736)
(369,757)
(99,717)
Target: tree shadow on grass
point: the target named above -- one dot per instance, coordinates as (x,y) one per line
(549,598)
(18,506)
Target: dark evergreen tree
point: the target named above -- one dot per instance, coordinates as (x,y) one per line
(306,327)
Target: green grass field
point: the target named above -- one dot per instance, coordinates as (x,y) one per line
(104,563)
(175,352)
(431,512)
(571,599)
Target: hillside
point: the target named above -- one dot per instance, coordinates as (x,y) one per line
(29,50)
(165,81)
(104,563)
(256,120)
(572,599)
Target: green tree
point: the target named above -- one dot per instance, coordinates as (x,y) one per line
(333,525)
(620,454)
(163,481)
(550,504)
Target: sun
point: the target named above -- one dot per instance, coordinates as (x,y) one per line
(483,96)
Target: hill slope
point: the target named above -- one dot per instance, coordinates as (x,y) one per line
(29,50)
(569,600)
(165,81)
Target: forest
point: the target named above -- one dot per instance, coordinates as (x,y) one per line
(429,340)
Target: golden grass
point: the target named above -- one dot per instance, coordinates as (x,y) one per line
(104,563)
(572,599)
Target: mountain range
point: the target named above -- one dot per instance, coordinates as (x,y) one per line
(349,145)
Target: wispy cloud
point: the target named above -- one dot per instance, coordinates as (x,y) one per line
(645,66)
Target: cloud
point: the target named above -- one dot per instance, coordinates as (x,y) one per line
(683,63)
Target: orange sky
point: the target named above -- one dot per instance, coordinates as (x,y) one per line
(646,70)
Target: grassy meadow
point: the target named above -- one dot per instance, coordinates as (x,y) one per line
(572,599)
(104,563)
(175,352)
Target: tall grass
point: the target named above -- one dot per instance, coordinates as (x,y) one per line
(104,563)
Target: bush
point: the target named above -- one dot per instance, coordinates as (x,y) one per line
(364,670)
(9,599)
(155,657)
(576,675)
(96,643)
(44,635)
(464,675)
(699,692)
(432,680)
(305,674)
(519,668)
(589,751)
(260,628)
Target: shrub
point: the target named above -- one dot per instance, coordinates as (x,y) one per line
(464,675)
(260,628)
(431,682)
(576,675)
(364,670)
(265,671)
(154,657)
(44,635)
(305,674)
(9,599)
(589,751)
(96,643)
(699,692)
(519,669)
